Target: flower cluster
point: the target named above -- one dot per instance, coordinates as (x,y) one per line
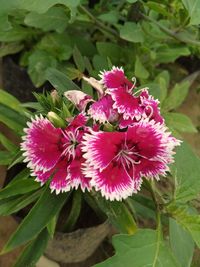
(126,141)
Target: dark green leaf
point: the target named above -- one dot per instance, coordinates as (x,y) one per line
(144,248)
(19,187)
(78,59)
(39,62)
(179,122)
(43,211)
(140,70)
(118,214)
(10,48)
(186,170)
(54,19)
(132,32)
(181,243)
(176,96)
(60,81)
(33,251)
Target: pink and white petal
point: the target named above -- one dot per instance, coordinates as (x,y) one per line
(78,98)
(41,176)
(113,182)
(126,123)
(41,144)
(76,177)
(151,169)
(126,104)
(103,111)
(115,78)
(78,121)
(100,148)
(59,182)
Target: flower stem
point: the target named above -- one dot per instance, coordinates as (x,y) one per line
(97,22)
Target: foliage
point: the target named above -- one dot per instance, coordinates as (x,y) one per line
(60,41)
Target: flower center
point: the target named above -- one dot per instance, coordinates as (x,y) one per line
(70,142)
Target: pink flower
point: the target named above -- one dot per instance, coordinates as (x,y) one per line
(56,154)
(103,111)
(115,78)
(140,107)
(78,98)
(117,161)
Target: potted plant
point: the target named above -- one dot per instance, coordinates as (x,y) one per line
(110,149)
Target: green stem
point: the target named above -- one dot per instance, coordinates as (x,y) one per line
(173,34)
(74,213)
(97,22)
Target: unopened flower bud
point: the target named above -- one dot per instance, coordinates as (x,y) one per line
(56,120)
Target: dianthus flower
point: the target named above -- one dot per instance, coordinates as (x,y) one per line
(117,161)
(54,153)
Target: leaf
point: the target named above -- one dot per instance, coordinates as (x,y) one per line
(38,245)
(176,96)
(193,8)
(11,101)
(51,226)
(60,81)
(188,221)
(181,243)
(24,174)
(37,5)
(144,248)
(54,19)
(111,50)
(78,59)
(7,143)
(12,119)
(56,45)
(166,54)
(110,17)
(15,34)
(186,170)
(5,157)
(48,205)
(132,32)
(39,62)
(140,70)
(19,187)
(131,1)
(179,122)
(10,48)
(13,204)
(118,214)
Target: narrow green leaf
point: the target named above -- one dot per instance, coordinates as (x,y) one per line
(7,143)
(118,214)
(144,248)
(60,81)
(140,70)
(16,203)
(12,119)
(24,174)
(43,211)
(5,157)
(51,226)
(181,243)
(33,251)
(19,187)
(78,59)
(74,212)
